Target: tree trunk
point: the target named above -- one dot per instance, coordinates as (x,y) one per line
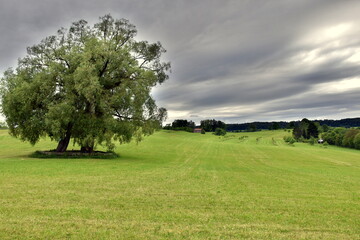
(64,143)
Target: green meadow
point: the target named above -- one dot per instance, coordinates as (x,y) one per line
(178,185)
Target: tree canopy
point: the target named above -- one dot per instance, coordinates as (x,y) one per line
(344,137)
(210,125)
(89,84)
(306,129)
(181,123)
(220,132)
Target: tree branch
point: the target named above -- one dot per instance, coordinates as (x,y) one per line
(66,62)
(102,71)
(117,114)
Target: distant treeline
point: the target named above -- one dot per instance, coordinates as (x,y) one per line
(343,137)
(347,122)
(208,125)
(310,131)
(253,126)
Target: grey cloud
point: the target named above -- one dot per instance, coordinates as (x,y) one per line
(224,53)
(332,73)
(310,105)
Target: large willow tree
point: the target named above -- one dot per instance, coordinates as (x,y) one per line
(89,84)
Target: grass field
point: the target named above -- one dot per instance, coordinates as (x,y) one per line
(177,185)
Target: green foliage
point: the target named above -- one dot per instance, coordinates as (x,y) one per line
(312,141)
(220,132)
(203,131)
(210,125)
(343,137)
(349,136)
(325,128)
(289,139)
(182,123)
(251,127)
(349,122)
(89,84)
(228,137)
(291,125)
(242,138)
(297,133)
(275,126)
(312,131)
(186,129)
(306,129)
(357,141)
(334,136)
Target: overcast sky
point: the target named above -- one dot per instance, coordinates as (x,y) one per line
(232,60)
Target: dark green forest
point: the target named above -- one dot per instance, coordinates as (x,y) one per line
(346,123)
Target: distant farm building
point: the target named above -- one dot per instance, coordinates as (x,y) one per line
(197,130)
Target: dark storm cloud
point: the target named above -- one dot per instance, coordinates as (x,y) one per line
(330,74)
(233,60)
(330,105)
(235,94)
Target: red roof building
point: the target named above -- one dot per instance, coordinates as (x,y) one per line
(197,130)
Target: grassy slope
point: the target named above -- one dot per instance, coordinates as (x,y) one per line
(183,186)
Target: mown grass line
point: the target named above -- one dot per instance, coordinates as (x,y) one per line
(178,185)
